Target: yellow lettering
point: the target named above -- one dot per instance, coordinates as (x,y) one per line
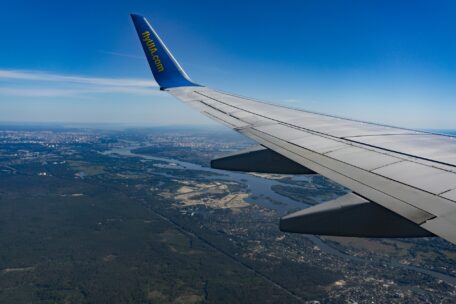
(158,63)
(150,44)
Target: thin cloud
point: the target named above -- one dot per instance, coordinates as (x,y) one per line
(39,83)
(122,55)
(29,92)
(45,92)
(44,76)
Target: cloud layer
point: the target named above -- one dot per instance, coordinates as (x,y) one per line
(43,84)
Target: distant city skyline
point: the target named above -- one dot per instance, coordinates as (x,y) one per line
(80,62)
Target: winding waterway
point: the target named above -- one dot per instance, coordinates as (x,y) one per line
(259,187)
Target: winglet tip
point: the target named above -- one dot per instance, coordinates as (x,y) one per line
(135,15)
(166,70)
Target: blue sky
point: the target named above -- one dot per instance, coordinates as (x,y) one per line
(79,61)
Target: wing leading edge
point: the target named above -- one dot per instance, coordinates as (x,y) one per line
(403,181)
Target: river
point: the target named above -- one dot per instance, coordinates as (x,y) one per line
(259,187)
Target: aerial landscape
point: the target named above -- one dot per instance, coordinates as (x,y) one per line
(89,216)
(206,152)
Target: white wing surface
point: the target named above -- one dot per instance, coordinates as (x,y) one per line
(399,177)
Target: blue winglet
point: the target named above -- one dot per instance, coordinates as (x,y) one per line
(166,70)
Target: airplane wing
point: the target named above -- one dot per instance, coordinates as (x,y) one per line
(403,181)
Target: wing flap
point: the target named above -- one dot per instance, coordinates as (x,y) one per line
(420,176)
(451,195)
(443,227)
(436,148)
(363,158)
